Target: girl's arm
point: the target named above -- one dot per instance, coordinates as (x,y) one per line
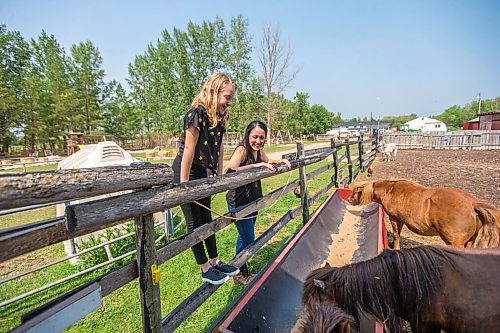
(238,157)
(268,160)
(188,154)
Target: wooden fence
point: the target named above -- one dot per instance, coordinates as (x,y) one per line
(478,140)
(153,192)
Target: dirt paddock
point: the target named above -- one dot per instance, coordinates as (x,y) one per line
(476,171)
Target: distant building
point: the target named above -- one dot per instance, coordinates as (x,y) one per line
(489,121)
(365,126)
(472,124)
(485,121)
(424,124)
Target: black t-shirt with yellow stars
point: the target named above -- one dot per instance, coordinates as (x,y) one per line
(207,149)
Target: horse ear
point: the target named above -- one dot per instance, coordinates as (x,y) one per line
(327,264)
(359,186)
(319,284)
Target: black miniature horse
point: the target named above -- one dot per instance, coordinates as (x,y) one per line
(433,288)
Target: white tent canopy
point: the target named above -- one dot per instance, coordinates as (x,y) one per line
(106,153)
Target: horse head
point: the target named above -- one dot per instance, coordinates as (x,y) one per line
(362,193)
(325,318)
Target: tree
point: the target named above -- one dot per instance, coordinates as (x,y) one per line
(275,61)
(120,118)
(320,120)
(396,122)
(455,116)
(167,77)
(139,85)
(88,84)
(55,100)
(302,108)
(14,58)
(239,68)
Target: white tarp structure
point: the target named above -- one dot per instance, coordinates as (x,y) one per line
(106,153)
(425,124)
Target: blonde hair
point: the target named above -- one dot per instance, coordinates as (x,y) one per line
(209,95)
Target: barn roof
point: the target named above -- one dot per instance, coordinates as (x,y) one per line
(489,113)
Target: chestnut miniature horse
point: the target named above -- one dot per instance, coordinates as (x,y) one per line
(433,288)
(460,219)
(325,318)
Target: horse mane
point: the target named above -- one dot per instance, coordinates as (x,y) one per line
(384,286)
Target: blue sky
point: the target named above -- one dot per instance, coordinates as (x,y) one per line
(355,57)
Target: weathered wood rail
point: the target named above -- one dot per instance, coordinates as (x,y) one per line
(477,140)
(153,192)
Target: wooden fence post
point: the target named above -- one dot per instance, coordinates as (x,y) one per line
(335,177)
(349,160)
(360,150)
(303,184)
(148,274)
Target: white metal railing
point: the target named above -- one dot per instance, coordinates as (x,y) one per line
(169,232)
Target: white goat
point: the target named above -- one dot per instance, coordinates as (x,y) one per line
(389,151)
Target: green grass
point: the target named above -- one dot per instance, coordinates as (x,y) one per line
(13,220)
(38,168)
(180,276)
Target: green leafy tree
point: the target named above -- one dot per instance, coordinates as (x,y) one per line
(88,85)
(14,58)
(285,119)
(167,77)
(139,85)
(170,108)
(56,100)
(396,122)
(238,65)
(119,115)
(319,120)
(302,108)
(32,122)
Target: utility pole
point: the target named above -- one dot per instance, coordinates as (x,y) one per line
(479,99)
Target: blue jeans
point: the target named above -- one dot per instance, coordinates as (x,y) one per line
(246,232)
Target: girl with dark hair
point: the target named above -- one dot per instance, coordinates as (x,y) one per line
(201,149)
(248,154)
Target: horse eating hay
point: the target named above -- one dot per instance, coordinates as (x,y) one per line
(433,288)
(325,318)
(460,219)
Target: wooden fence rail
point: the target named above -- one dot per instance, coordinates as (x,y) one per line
(477,140)
(27,189)
(153,192)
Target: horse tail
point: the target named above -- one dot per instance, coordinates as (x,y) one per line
(489,231)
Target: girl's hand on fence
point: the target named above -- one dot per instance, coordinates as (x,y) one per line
(267,165)
(287,162)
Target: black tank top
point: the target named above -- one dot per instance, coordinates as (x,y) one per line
(245,194)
